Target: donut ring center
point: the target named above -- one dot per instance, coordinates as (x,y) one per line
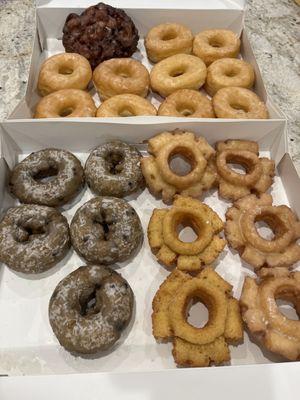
(215,42)
(46,174)
(123,72)
(126,112)
(288,305)
(197,312)
(64,112)
(177,72)
(181,161)
(169,35)
(104,226)
(90,302)
(65,70)
(185,109)
(29,230)
(114,162)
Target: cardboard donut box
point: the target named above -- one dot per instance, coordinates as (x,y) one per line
(27,344)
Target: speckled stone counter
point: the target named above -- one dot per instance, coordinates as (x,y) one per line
(273,27)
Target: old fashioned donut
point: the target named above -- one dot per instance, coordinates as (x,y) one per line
(187,103)
(212,44)
(90,308)
(267,256)
(63,169)
(33,238)
(126,105)
(164,239)
(114,169)
(70,103)
(121,76)
(259,171)
(228,72)
(274,330)
(165,40)
(64,71)
(159,176)
(237,102)
(106,230)
(193,346)
(182,71)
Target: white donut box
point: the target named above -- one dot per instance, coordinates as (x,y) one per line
(32,363)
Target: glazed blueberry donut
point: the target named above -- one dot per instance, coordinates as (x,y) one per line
(126,105)
(187,103)
(90,308)
(106,230)
(33,238)
(165,40)
(121,76)
(63,169)
(71,103)
(64,71)
(228,72)
(212,44)
(114,169)
(236,102)
(181,71)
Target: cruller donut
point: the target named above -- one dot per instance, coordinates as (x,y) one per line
(126,105)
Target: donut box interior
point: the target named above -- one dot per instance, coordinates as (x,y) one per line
(197,15)
(27,343)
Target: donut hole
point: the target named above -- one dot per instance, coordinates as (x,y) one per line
(176,72)
(215,42)
(47,174)
(114,162)
(231,73)
(66,111)
(103,224)
(65,70)
(239,164)
(185,109)
(197,313)
(269,226)
(169,35)
(90,302)
(264,230)
(239,107)
(287,305)
(126,112)
(181,161)
(123,72)
(238,168)
(186,233)
(29,230)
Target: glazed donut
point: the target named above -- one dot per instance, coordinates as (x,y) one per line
(212,44)
(181,71)
(114,169)
(187,103)
(64,71)
(121,76)
(165,40)
(33,238)
(126,105)
(229,72)
(90,308)
(63,169)
(71,103)
(106,230)
(238,103)
(264,319)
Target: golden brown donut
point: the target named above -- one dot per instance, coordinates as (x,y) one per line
(229,72)
(187,103)
(238,103)
(212,44)
(121,76)
(64,71)
(69,103)
(126,105)
(182,71)
(165,40)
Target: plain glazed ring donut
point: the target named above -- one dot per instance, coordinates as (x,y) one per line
(121,76)
(65,175)
(106,230)
(181,71)
(229,72)
(238,103)
(71,103)
(114,169)
(64,71)
(168,39)
(90,308)
(33,238)
(213,44)
(126,105)
(264,319)
(187,103)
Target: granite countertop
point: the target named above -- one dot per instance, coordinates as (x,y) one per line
(273,27)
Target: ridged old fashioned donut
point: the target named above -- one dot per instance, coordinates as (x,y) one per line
(182,71)
(64,71)
(238,103)
(165,40)
(121,76)
(212,44)
(228,72)
(70,103)
(126,105)
(187,103)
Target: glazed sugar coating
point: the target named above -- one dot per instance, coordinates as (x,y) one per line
(106,230)
(99,33)
(33,238)
(90,308)
(63,169)
(113,169)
